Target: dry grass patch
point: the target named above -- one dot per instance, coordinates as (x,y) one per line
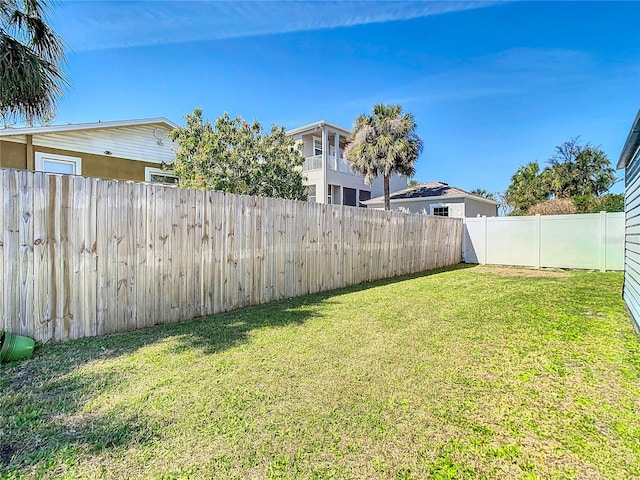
(520,272)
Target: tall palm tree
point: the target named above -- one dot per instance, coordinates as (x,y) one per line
(31,55)
(384,143)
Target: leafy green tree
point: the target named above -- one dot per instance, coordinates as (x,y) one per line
(582,173)
(238,157)
(611,202)
(527,188)
(31,55)
(481,192)
(384,143)
(578,170)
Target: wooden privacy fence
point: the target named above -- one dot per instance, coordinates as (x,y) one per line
(84,256)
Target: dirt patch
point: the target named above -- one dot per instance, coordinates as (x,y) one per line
(521,272)
(6,454)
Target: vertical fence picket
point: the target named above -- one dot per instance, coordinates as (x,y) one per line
(25,238)
(75,253)
(149,289)
(11,250)
(41,264)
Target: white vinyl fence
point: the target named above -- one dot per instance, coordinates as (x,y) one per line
(586,241)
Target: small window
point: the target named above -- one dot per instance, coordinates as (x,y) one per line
(363,196)
(329,194)
(441,211)
(349,196)
(311,193)
(53,163)
(157,175)
(317,146)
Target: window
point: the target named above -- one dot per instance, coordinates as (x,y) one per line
(329,194)
(53,163)
(311,193)
(349,196)
(157,175)
(441,211)
(317,146)
(364,195)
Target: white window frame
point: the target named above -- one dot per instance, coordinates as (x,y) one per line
(148,171)
(42,157)
(313,146)
(440,205)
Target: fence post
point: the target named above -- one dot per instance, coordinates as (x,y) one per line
(538,239)
(486,243)
(603,241)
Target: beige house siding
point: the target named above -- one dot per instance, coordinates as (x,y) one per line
(14,155)
(120,152)
(133,142)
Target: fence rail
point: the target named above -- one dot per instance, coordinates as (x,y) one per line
(83,256)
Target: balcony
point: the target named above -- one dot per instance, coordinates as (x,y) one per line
(315,163)
(312,163)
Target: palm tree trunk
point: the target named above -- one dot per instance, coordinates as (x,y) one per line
(387,200)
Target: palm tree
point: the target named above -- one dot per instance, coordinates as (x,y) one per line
(481,192)
(527,188)
(384,143)
(30,57)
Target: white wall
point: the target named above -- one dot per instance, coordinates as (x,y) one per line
(396,183)
(456,206)
(588,241)
(473,208)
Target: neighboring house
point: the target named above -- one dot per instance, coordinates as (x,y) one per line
(328,174)
(437,198)
(630,161)
(123,150)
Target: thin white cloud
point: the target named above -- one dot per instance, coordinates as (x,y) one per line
(518,71)
(95,25)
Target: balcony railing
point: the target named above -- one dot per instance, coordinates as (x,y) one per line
(315,163)
(312,163)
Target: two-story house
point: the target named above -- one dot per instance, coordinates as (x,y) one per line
(328,174)
(136,150)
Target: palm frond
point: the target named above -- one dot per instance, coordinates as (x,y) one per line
(31,55)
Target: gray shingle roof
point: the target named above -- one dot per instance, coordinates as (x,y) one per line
(429,189)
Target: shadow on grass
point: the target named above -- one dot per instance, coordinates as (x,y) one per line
(45,421)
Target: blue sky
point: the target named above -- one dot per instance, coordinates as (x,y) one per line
(492,85)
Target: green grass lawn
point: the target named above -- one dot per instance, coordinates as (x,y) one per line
(461,373)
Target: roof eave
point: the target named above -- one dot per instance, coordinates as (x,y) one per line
(86,126)
(380,200)
(316,125)
(631,145)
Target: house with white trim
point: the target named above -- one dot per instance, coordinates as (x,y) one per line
(137,150)
(122,150)
(328,174)
(438,198)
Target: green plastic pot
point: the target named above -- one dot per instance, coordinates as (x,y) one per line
(15,347)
